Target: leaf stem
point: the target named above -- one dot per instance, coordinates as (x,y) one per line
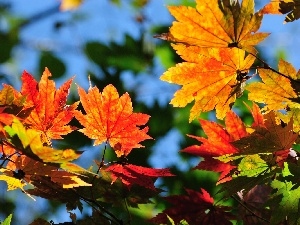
(266,66)
(94,204)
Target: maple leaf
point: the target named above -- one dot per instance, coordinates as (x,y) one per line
(28,142)
(269,139)
(276,90)
(292,7)
(217,24)
(255,201)
(111,118)
(288,197)
(212,78)
(12,183)
(50,114)
(201,209)
(218,143)
(258,118)
(11,106)
(131,174)
(24,168)
(46,188)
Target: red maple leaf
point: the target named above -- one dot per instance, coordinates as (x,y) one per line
(196,208)
(131,174)
(218,143)
(50,114)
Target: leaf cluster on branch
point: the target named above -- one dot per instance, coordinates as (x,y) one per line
(257,164)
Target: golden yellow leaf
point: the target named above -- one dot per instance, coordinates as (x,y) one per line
(276,90)
(211,78)
(12,183)
(217,24)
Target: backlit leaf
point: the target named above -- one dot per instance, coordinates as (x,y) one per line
(28,141)
(218,24)
(12,183)
(50,114)
(7,220)
(289,7)
(288,206)
(212,79)
(131,174)
(11,106)
(252,165)
(269,139)
(218,143)
(276,90)
(111,118)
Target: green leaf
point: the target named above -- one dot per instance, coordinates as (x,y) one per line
(7,221)
(289,205)
(129,56)
(171,220)
(252,165)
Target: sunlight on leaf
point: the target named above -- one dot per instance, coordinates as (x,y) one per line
(217,24)
(252,165)
(289,7)
(50,114)
(212,79)
(111,118)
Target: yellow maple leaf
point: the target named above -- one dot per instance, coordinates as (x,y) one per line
(276,90)
(212,79)
(217,24)
(33,147)
(279,91)
(12,183)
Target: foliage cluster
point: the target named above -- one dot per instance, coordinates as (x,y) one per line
(257,162)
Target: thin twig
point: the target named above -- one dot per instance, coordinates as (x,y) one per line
(248,209)
(266,66)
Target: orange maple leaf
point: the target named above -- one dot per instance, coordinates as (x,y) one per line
(217,24)
(111,118)
(212,78)
(50,114)
(218,143)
